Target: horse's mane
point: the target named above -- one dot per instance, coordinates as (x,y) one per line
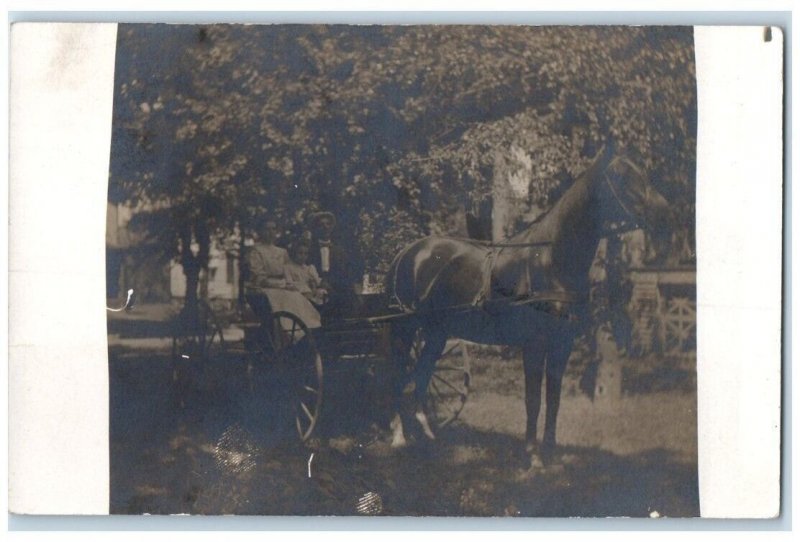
(608,153)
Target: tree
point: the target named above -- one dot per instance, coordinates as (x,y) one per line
(184,138)
(385,125)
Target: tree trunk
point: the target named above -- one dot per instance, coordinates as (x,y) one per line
(191,270)
(242,265)
(193,264)
(501,199)
(203,238)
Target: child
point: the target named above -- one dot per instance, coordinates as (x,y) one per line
(303,275)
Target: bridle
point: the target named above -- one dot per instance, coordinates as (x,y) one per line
(633,218)
(617,198)
(623,225)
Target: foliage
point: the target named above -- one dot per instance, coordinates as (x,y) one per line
(215,127)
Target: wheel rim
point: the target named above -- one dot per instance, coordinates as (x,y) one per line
(296,353)
(449,385)
(309,399)
(198,339)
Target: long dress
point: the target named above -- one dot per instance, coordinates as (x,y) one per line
(267,276)
(306,280)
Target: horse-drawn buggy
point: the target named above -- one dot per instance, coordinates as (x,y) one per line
(285,347)
(530,290)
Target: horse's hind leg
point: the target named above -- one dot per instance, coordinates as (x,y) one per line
(533,361)
(431,352)
(401,339)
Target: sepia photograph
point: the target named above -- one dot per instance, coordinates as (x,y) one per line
(419,270)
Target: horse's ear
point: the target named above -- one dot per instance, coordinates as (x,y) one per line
(599,154)
(605,153)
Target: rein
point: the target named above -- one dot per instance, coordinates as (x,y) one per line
(515,245)
(520,245)
(623,225)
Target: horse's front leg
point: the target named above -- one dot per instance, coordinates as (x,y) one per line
(533,362)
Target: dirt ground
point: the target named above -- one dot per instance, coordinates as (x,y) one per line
(226,446)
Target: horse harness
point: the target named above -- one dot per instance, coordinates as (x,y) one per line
(553,302)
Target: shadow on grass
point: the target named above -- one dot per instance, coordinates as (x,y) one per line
(140,329)
(231,449)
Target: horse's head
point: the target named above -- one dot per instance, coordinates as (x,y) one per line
(629,200)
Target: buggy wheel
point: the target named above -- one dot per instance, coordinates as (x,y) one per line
(196,339)
(197,335)
(294,352)
(450,382)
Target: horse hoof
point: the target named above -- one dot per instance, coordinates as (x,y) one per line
(569,459)
(548,451)
(536,463)
(426,428)
(398,438)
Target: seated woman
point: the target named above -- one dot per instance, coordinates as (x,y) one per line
(268,288)
(303,275)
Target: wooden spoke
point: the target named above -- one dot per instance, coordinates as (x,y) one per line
(445,368)
(306,411)
(449,383)
(299,362)
(446,383)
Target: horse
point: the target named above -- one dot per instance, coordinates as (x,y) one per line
(531,290)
